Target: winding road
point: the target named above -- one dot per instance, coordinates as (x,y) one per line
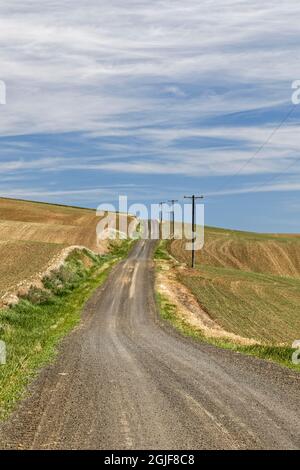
(125,380)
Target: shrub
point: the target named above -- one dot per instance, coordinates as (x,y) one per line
(38,296)
(52,282)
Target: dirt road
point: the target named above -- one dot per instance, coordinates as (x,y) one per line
(125,381)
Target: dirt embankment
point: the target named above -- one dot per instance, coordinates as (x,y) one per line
(187,305)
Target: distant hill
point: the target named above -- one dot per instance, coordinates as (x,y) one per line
(34,221)
(247,251)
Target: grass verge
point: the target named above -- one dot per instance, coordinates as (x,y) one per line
(33,328)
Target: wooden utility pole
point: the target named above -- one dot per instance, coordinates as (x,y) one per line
(161,219)
(193,198)
(173,216)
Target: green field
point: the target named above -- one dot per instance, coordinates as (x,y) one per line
(248,283)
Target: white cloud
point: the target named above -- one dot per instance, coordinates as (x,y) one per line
(286,186)
(150,70)
(68,67)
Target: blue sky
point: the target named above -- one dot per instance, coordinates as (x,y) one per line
(154,100)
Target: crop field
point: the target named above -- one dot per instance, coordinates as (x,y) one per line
(248,283)
(246,251)
(32,234)
(23,259)
(24,220)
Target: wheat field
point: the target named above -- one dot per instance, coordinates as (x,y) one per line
(249,283)
(33,233)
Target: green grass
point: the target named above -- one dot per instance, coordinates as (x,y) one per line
(33,328)
(161,250)
(260,306)
(279,355)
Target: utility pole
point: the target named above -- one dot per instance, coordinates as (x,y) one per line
(161,219)
(173,216)
(193,198)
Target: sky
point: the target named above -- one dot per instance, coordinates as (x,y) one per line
(154,100)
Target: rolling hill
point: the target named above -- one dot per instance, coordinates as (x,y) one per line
(248,283)
(33,234)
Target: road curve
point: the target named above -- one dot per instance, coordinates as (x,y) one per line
(124,380)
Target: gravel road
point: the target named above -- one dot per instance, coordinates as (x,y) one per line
(124,380)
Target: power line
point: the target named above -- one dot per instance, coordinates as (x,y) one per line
(260,148)
(275,177)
